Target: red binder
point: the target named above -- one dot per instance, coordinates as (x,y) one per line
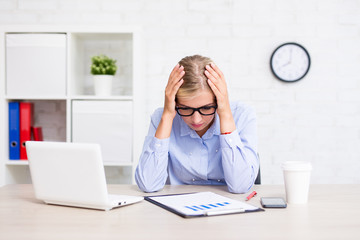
(37,133)
(26,109)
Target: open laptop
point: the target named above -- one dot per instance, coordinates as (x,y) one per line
(71,174)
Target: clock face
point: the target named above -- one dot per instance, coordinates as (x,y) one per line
(290,62)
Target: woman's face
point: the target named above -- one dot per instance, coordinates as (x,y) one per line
(199,123)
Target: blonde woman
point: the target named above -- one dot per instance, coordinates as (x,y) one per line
(199,137)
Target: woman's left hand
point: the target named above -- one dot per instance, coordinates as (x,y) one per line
(217,83)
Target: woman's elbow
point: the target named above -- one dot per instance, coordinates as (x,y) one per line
(240,187)
(147,186)
(148,189)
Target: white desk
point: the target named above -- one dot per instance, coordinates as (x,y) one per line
(333,212)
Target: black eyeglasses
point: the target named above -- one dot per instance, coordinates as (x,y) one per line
(188,111)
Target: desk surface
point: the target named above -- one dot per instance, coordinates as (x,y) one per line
(333,212)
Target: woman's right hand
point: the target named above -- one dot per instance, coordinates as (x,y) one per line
(175,80)
(172,87)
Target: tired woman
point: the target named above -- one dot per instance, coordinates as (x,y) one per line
(199,137)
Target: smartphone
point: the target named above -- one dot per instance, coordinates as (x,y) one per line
(273,202)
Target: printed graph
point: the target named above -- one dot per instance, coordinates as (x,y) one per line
(210,206)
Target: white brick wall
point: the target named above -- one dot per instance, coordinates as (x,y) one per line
(40,5)
(316,119)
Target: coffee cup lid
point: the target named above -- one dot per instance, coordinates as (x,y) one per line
(296,166)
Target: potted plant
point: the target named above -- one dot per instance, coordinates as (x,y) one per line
(103,68)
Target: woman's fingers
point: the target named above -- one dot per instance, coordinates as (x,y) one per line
(175,76)
(214,88)
(175,69)
(179,74)
(216,77)
(176,72)
(217,70)
(174,82)
(217,84)
(212,72)
(177,86)
(172,87)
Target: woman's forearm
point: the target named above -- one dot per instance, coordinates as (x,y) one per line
(227,123)
(164,128)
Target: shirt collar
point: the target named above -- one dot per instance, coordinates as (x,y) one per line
(213,130)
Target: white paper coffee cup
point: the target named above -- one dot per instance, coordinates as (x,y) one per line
(297,181)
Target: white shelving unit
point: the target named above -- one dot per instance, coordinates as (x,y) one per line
(60,114)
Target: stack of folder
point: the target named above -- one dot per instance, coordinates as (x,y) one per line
(21,129)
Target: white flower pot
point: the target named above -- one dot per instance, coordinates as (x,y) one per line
(103,85)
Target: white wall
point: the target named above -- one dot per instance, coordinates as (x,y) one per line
(316,119)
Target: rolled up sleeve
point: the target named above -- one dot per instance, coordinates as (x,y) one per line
(239,154)
(151,172)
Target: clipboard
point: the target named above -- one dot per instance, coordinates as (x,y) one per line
(201,204)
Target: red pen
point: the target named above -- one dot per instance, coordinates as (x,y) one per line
(251,196)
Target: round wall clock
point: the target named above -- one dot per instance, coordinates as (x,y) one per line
(290,62)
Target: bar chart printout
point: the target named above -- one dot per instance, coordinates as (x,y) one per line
(202,203)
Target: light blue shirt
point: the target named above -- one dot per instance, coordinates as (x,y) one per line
(213,159)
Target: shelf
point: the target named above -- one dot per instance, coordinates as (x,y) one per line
(17,163)
(53,97)
(89,97)
(22,98)
(83,46)
(26,163)
(75,97)
(50,115)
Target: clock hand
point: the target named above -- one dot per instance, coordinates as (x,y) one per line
(286,64)
(290,56)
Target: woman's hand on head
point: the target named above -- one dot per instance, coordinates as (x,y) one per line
(217,83)
(172,87)
(175,80)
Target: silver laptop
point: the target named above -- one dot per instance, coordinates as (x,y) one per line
(71,174)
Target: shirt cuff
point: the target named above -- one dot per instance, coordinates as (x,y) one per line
(159,145)
(231,140)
